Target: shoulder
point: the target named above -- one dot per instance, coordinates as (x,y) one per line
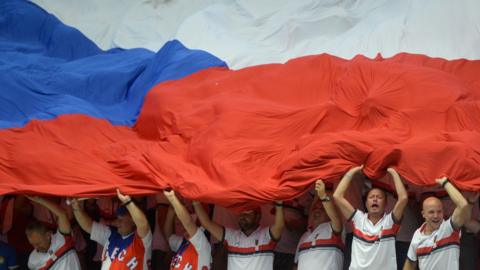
(34,259)
(357,215)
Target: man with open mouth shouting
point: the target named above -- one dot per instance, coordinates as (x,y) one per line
(373,245)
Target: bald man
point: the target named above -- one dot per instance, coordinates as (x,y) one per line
(436,244)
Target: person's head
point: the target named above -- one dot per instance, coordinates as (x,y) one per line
(39,236)
(375,201)
(317,214)
(248,221)
(432,212)
(92,209)
(124,222)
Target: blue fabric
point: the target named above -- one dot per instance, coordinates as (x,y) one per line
(49,69)
(8,256)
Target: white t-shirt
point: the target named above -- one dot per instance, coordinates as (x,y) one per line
(373,245)
(439,250)
(194,254)
(122,252)
(251,252)
(61,255)
(410,222)
(320,249)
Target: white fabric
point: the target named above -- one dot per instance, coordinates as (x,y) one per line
(249,32)
(252,252)
(68,260)
(174,242)
(314,254)
(410,219)
(373,245)
(438,251)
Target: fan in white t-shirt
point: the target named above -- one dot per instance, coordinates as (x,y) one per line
(127,244)
(322,245)
(193,251)
(52,250)
(373,245)
(251,247)
(436,244)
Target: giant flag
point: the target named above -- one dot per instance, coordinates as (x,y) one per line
(311,89)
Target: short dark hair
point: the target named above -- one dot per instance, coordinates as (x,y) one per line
(377,188)
(36,226)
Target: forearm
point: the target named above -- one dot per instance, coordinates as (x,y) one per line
(343,185)
(52,207)
(62,218)
(455,195)
(214,229)
(183,216)
(460,214)
(333,215)
(400,188)
(339,196)
(138,218)
(83,219)
(201,213)
(279,222)
(169,223)
(402,197)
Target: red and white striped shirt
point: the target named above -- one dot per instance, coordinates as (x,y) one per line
(320,246)
(373,245)
(251,252)
(60,255)
(439,250)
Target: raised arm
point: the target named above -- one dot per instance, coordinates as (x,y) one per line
(169,223)
(138,217)
(332,213)
(460,214)
(83,219)
(62,218)
(279,222)
(182,213)
(339,195)
(215,230)
(402,195)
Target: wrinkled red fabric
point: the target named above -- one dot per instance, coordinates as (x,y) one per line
(240,138)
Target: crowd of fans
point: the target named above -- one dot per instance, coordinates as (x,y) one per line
(357,223)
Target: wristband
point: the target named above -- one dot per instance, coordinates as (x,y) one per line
(325,199)
(127,203)
(444,183)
